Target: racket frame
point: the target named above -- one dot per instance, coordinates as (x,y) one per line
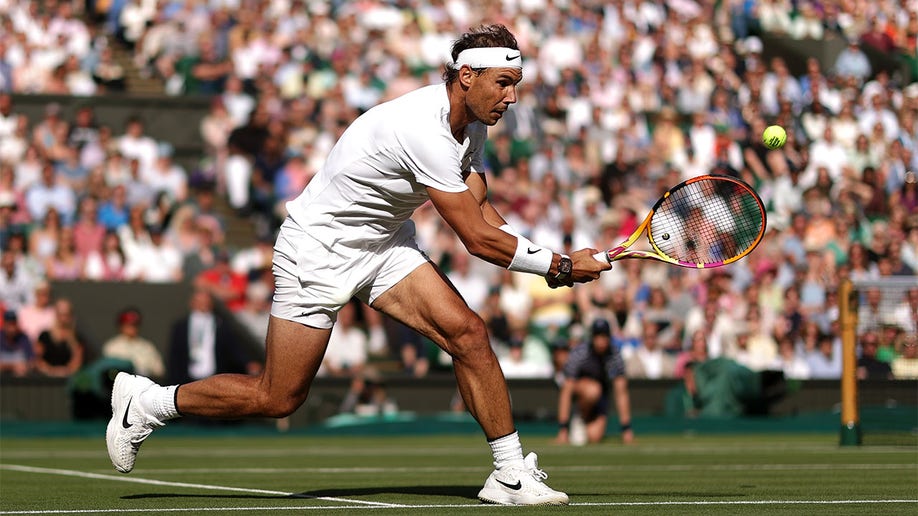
(621,251)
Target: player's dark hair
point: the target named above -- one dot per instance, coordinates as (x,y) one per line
(483,36)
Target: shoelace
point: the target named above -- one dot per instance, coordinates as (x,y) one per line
(538,474)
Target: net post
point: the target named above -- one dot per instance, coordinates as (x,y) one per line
(847,313)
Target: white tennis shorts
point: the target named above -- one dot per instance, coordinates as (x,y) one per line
(314,280)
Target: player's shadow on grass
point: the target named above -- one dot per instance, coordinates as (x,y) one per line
(470,492)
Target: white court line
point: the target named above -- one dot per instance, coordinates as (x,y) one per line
(147,481)
(460,506)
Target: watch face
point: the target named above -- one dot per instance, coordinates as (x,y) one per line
(565,266)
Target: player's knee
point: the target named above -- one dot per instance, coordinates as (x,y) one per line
(471,340)
(279,405)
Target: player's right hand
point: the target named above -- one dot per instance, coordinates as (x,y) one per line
(586,267)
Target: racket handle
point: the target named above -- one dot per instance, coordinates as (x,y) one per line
(602,257)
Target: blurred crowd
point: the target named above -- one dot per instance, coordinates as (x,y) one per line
(620,100)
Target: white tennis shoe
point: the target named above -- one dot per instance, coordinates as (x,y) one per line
(129,425)
(521,486)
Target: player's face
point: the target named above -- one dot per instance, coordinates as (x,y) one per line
(491,92)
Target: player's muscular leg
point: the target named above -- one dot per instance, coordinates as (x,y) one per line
(293,355)
(425,301)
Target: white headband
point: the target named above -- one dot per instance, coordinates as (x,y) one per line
(489,57)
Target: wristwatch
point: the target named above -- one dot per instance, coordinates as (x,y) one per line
(565,267)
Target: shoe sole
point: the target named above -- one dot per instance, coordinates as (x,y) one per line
(491,498)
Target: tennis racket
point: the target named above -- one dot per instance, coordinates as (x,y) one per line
(705,222)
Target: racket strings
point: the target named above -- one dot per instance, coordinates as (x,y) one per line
(709,221)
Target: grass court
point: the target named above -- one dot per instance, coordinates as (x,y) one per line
(435,474)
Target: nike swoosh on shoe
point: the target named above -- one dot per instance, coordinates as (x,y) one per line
(124,420)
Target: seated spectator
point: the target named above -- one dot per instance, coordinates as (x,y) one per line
(868,366)
(128,345)
(649,359)
(202,344)
(108,74)
(51,193)
(65,264)
(156,262)
(516,364)
(136,144)
(224,283)
(905,365)
(826,361)
(88,233)
(15,283)
(852,67)
(168,176)
(790,361)
(60,350)
(108,263)
(16,354)
(114,212)
(37,315)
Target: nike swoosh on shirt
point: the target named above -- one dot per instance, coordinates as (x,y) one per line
(508,57)
(515,487)
(124,420)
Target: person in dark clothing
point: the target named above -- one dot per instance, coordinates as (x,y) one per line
(202,345)
(593,369)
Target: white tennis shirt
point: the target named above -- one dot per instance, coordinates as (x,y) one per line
(377,173)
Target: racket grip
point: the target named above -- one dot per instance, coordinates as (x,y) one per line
(602,257)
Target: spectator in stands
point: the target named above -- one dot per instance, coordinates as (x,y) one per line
(108,263)
(154,260)
(51,193)
(136,144)
(61,349)
(17,356)
(114,213)
(524,357)
(65,264)
(852,67)
(16,285)
(650,359)
(37,315)
(202,344)
(790,361)
(108,74)
(905,365)
(88,233)
(204,73)
(128,345)
(593,369)
(223,283)
(808,23)
(868,366)
(826,360)
(168,176)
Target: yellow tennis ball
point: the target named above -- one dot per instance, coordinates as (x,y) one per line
(774,137)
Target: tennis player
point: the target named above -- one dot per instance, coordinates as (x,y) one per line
(349,234)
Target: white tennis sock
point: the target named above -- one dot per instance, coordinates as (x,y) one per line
(507,450)
(159,402)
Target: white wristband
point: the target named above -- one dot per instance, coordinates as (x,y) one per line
(531,258)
